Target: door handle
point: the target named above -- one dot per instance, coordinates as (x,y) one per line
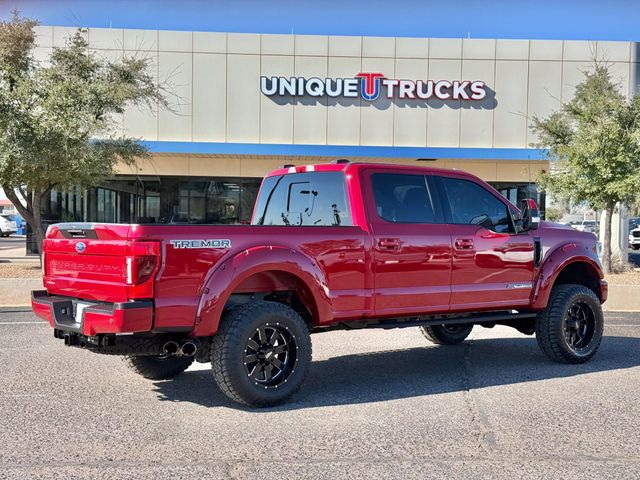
(463,244)
(389,243)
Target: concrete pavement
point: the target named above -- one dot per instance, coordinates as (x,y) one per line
(13,249)
(380,404)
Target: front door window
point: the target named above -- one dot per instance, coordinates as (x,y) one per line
(473,205)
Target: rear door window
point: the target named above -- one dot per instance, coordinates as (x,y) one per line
(403,198)
(306,199)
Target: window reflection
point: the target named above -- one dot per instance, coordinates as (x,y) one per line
(172,199)
(175,200)
(516,192)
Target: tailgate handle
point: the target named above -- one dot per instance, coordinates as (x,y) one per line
(77,233)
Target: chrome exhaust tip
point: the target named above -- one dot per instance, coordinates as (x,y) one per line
(189,349)
(171,348)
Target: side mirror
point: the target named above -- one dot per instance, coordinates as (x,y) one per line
(530,215)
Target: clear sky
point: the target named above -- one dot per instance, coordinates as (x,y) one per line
(540,19)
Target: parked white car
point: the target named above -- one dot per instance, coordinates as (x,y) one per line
(586,226)
(7,225)
(634,238)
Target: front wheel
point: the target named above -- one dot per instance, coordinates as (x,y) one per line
(446,334)
(261,353)
(161,367)
(570,329)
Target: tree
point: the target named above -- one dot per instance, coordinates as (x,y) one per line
(634,207)
(594,144)
(56,118)
(554,214)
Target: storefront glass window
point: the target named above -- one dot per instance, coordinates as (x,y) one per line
(159,200)
(106,205)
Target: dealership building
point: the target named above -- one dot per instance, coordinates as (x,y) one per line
(244,104)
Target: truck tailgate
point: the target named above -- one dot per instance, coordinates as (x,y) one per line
(87,261)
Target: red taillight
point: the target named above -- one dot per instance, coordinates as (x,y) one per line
(142,262)
(140,269)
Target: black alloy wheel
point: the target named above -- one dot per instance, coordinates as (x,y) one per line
(270,355)
(454,329)
(580,326)
(446,334)
(158,367)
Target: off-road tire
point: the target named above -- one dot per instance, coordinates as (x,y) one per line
(158,367)
(231,343)
(446,334)
(552,322)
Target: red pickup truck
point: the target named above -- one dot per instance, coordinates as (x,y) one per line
(332,246)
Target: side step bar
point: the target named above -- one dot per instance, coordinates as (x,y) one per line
(488,319)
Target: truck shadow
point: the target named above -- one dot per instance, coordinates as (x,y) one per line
(396,374)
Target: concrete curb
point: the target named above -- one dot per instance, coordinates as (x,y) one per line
(623,298)
(16,292)
(29,261)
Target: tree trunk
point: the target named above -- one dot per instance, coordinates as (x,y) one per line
(31,212)
(38,230)
(606,241)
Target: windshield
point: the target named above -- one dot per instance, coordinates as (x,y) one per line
(10,218)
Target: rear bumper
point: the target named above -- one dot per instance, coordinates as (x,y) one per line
(95,318)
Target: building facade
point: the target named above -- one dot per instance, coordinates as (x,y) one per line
(244,104)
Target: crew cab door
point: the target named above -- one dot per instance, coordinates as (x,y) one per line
(492,264)
(411,247)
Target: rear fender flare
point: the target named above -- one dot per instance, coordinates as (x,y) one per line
(554,264)
(224,279)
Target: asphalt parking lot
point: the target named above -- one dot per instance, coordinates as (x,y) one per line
(380,404)
(12,241)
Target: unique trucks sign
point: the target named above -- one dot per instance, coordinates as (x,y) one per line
(370,85)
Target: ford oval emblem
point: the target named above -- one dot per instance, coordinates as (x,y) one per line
(80,247)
